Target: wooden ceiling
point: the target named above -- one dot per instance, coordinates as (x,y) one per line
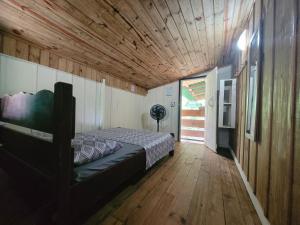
(148,42)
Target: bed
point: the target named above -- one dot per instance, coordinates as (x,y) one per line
(48,164)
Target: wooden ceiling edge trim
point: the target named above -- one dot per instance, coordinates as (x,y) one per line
(111,80)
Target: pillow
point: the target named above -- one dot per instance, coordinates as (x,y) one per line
(88,148)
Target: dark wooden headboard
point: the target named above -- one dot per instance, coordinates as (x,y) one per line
(44,111)
(33,111)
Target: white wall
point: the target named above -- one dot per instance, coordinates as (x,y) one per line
(164,95)
(121,108)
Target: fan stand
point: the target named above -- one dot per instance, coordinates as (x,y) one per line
(157,125)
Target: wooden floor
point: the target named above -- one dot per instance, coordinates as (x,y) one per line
(195,187)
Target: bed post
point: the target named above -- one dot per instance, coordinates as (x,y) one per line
(62,135)
(171,153)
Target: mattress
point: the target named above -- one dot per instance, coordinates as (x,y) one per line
(127,154)
(156,144)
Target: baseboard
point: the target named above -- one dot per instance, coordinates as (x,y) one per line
(255,202)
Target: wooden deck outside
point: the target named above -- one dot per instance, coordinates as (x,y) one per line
(192,127)
(196,186)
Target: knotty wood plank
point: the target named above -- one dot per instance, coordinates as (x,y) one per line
(282,120)
(264,151)
(215,209)
(62,64)
(34,54)
(53,62)
(186,189)
(246,157)
(105,60)
(233,213)
(229,7)
(155,41)
(133,202)
(296,180)
(249,213)
(165,14)
(210,29)
(243,114)
(9,46)
(22,50)
(45,58)
(136,14)
(76,69)
(253,165)
(117,31)
(70,66)
(238,119)
(182,188)
(1,42)
(122,28)
(196,26)
(192,46)
(219,30)
(142,213)
(240,111)
(159,23)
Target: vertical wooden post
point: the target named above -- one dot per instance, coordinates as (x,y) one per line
(62,134)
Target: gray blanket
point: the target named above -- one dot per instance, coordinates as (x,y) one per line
(156,145)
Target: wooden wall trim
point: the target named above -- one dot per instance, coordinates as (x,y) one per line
(17,47)
(258,208)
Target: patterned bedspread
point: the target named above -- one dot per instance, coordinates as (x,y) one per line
(156,145)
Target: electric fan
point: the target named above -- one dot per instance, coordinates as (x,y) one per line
(158,112)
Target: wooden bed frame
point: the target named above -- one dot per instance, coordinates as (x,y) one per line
(48,166)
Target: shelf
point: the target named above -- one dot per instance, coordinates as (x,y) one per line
(227,103)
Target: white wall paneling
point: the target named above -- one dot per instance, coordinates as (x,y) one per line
(97,105)
(2,75)
(46,78)
(100,104)
(90,105)
(19,75)
(64,77)
(164,95)
(125,109)
(79,94)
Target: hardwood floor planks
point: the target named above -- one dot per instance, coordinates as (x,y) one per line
(243,198)
(195,187)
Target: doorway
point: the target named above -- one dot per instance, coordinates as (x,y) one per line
(192,110)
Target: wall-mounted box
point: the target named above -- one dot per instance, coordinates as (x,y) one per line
(227,103)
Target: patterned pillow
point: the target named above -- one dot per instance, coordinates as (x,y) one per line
(88,148)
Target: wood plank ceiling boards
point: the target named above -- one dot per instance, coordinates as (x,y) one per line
(145,42)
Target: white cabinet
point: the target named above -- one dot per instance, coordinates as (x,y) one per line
(227,103)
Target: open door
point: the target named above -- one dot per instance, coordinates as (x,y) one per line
(211,110)
(192,110)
